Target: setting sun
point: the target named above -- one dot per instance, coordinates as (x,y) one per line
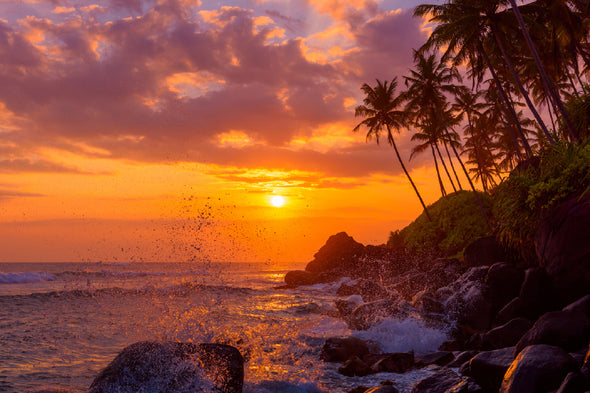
(277,201)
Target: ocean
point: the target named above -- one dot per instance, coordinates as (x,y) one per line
(61,323)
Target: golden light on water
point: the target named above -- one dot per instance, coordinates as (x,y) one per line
(277,201)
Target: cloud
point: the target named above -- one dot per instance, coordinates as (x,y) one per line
(24,165)
(10,194)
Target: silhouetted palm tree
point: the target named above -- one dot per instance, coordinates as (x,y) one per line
(380,112)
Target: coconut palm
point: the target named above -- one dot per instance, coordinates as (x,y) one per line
(380,112)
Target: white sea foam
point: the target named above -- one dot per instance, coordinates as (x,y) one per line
(403,335)
(25,277)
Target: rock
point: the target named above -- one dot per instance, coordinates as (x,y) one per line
(340,253)
(484,251)
(488,368)
(427,302)
(368,314)
(536,293)
(467,385)
(461,358)
(367,289)
(537,369)
(297,278)
(439,382)
(562,243)
(394,363)
(513,309)
(586,367)
(573,383)
(359,389)
(383,389)
(355,367)
(340,349)
(440,358)
(172,366)
(470,307)
(502,283)
(54,390)
(410,284)
(568,330)
(506,335)
(580,306)
(346,306)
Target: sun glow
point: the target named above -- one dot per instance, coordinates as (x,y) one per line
(277,201)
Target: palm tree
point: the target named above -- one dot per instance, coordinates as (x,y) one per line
(427,85)
(429,138)
(380,112)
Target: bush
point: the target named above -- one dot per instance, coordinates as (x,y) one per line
(457,220)
(521,201)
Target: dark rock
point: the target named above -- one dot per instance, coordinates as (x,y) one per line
(586,367)
(488,368)
(470,307)
(359,389)
(506,335)
(340,253)
(562,243)
(368,314)
(172,366)
(568,330)
(461,358)
(346,306)
(393,363)
(367,289)
(355,367)
(483,252)
(383,389)
(411,284)
(512,310)
(439,382)
(502,283)
(452,345)
(537,369)
(580,306)
(467,385)
(573,383)
(54,390)
(339,349)
(536,293)
(297,278)
(427,302)
(440,358)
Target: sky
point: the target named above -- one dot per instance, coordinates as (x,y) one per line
(159,130)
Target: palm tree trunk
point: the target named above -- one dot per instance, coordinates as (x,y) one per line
(507,106)
(522,90)
(544,77)
(451,161)
(440,183)
(408,175)
(479,202)
(445,166)
(475,149)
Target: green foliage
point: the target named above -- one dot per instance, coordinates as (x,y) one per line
(578,109)
(456,221)
(521,200)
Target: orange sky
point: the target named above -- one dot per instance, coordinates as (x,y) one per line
(159,130)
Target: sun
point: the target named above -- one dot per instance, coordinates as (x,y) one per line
(277,201)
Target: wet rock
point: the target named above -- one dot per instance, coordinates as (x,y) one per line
(427,302)
(506,335)
(346,306)
(537,369)
(568,330)
(586,367)
(563,247)
(297,278)
(488,368)
(573,383)
(355,367)
(483,252)
(513,309)
(340,253)
(54,390)
(580,306)
(340,349)
(383,389)
(367,289)
(467,385)
(440,358)
(536,293)
(393,362)
(470,307)
(368,314)
(439,382)
(462,357)
(410,284)
(173,367)
(502,283)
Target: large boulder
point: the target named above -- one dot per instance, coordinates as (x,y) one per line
(488,368)
(538,369)
(565,329)
(506,335)
(439,382)
(484,251)
(340,253)
(340,349)
(562,243)
(297,278)
(173,367)
(502,283)
(367,289)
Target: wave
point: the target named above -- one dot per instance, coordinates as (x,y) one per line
(133,274)
(26,277)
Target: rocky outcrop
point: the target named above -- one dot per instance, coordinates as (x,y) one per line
(562,243)
(483,252)
(340,349)
(439,382)
(488,368)
(340,253)
(173,367)
(506,335)
(538,369)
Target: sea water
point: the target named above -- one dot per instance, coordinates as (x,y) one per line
(61,323)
